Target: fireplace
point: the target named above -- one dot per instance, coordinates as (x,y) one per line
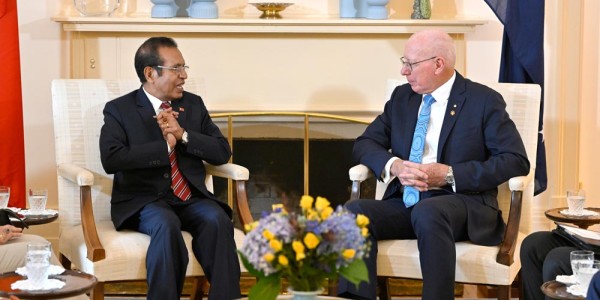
(292,154)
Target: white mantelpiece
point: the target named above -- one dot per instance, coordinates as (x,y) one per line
(320,64)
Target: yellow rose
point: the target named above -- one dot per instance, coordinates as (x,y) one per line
(326,212)
(364,231)
(268,235)
(321,203)
(362,220)
(311,214)
(298,246)
(306,202)
(269,257)
(276,245)
(311,240)
(249,227)
(277,206)
(283,260)
(348,253)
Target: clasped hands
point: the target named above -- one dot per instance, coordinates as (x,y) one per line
(167,121)
(420,176)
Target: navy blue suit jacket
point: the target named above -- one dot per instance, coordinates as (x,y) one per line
(133,149)
(478,139)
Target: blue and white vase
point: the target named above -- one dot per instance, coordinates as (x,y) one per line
(163,9)
(203,9)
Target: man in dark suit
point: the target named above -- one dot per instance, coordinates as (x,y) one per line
(154,141)
(449,170)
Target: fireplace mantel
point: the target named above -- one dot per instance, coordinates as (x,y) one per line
(305,24)
(298,63)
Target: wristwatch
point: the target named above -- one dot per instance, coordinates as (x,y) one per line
(450,176)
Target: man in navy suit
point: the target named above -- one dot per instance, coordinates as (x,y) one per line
(470,147)
(150,138)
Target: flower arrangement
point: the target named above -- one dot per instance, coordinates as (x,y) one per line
(306,248)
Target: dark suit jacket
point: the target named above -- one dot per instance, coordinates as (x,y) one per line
(133,149)
(478,139)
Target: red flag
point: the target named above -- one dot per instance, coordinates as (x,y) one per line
(12,149)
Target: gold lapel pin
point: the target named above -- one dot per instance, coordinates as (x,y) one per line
(452,113)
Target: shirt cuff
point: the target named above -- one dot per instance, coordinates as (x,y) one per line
(184,137)
(386,177)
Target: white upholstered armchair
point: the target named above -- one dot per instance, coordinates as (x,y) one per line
(88,240)
(497,265)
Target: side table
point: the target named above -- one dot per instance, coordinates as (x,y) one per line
(580,221)
(558,290)
(76,283)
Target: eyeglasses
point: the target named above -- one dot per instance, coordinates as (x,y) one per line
(410,65)
(177,70)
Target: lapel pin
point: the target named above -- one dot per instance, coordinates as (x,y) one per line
(452,113)
(454,105)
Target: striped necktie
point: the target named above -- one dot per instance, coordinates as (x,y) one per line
(411,195)
(179,184)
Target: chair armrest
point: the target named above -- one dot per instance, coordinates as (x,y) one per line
(519,183)
(85,179)
(358,174)
(75,174)
(507,248)
(231,171)
(239,175)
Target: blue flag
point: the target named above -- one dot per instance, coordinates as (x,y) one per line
(523,59)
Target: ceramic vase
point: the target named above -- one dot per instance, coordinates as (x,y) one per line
(203,9)
(163,9)
(421,9)
(303,295)
(353,8)
(377,10)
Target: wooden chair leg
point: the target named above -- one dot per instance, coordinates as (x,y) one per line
(198,284)
(97,292)
(64,261)
(384,289)
(504,292)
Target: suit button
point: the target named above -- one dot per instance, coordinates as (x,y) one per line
(166,175)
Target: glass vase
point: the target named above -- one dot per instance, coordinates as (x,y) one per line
(304,295)
(96,8)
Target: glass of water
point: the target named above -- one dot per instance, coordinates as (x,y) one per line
(37,200)
(38,262)
(586,274)
(581,259)
(4,196)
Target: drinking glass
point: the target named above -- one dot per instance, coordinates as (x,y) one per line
(581,259)
(37,200)
(37,262)
(575,201)
(4,196)
(586,274)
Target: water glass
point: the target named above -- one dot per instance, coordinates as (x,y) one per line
(581,259)
(4,196)
(37,200)
(586,274)
(38,262)
(575,201)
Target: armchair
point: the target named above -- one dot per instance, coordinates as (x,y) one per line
(88,240)
(481,265)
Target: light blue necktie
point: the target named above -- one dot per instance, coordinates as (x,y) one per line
(411,195)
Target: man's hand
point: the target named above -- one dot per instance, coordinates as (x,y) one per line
(167,121)
(420,176)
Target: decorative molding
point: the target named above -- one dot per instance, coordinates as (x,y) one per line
(320,24)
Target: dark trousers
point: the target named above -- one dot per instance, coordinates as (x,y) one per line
(543,256)
(213,246)
(436,222)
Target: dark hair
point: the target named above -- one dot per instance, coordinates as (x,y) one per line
(147,55)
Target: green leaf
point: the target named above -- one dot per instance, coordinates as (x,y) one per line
(250,267)
(355,272)
(266,288)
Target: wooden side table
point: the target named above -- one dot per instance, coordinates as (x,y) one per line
(558,290)
(580,221)
(76,283)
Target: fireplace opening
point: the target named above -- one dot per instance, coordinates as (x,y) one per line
(276,168)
